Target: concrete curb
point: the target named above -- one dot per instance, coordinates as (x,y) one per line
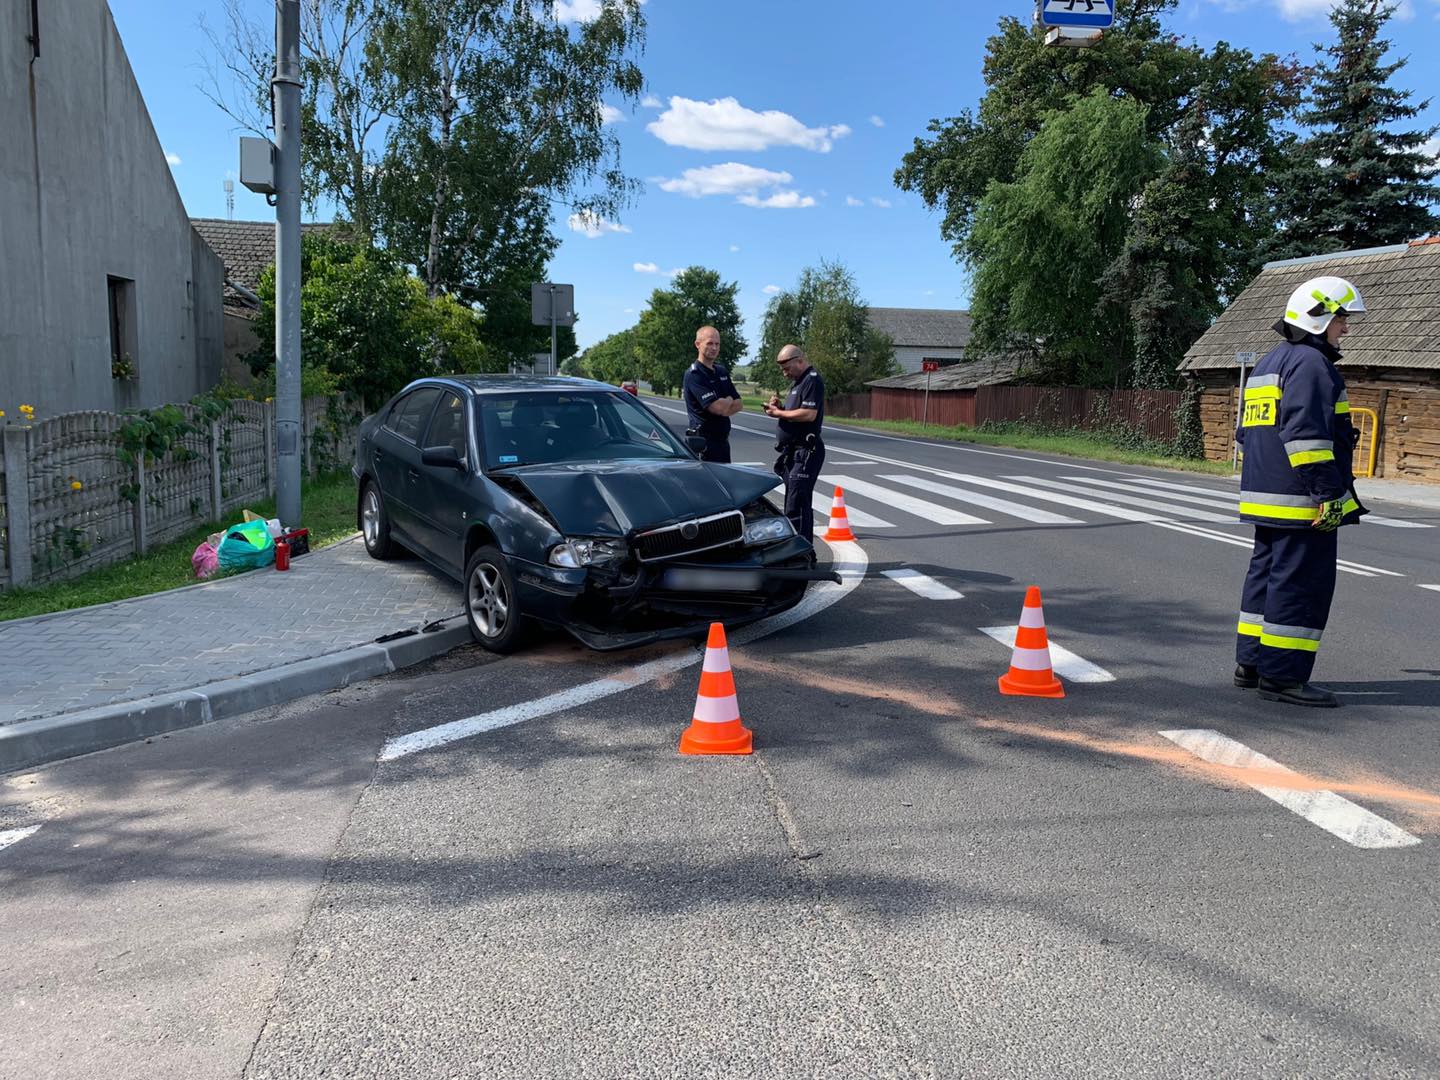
(36,742)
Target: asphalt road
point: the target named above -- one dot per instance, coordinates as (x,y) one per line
(912,876)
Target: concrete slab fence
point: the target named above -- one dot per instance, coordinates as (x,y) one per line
(69,503)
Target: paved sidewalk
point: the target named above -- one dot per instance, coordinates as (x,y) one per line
(108,658)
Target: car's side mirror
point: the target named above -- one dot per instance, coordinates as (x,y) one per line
(696,443)
(442,457)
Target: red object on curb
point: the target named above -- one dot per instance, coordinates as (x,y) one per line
(282,556)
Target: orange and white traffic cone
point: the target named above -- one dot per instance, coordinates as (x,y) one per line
(839,520)
(716,726)
(1031,673)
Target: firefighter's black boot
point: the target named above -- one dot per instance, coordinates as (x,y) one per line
(1297,694)
(1246,677)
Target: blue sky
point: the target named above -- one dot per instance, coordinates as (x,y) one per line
(770,137)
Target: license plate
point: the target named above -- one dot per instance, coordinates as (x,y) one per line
(684,579)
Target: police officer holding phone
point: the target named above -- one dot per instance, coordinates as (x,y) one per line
(801,450)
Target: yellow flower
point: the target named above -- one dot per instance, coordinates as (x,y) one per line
(76,485)
(2,413)
(28,410)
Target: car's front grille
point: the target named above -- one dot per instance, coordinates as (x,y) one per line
(688,537)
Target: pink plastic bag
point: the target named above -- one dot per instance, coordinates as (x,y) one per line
(206,559)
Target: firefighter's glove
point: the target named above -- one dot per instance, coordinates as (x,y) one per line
(1332,512)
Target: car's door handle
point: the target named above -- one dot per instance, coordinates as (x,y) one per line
(414,474)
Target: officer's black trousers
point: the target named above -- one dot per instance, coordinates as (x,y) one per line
(800,468)
(717,450)
(1286,601)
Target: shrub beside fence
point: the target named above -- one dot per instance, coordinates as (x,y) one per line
(69,502)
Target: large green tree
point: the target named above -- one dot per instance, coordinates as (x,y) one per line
(1356,181)
(612,359)
(447,130)
(665,335)
(1216,118)
(826,316)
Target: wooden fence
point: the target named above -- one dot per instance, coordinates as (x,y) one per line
(69,503)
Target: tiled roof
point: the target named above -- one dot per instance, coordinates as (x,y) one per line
(246,248)
(935,328)
(966,375)
(1401,288)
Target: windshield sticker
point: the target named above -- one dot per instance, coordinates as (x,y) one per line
(509,459)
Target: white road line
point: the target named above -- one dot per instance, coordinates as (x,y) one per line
(1248,545)
(14,836)
(822,504)
(1133,489)
(849,561)
(1336,815)
(940,515)
(1362,566)
(1126,499)
(1432,588)
(1224,497)
(923,585)
(1004,506)
(1066,663)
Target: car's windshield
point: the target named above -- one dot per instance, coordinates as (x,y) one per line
(547,428)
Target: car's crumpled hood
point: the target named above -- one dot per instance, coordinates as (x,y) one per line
(611,498)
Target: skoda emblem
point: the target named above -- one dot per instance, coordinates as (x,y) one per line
(690,530)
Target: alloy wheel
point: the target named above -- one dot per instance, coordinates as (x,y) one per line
(489,600)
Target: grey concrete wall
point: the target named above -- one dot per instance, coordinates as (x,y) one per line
(85,192)
(909,357)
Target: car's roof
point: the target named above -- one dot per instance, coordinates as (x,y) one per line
(509,384)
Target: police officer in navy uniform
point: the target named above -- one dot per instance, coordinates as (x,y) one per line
(802,452)
(710,397)
(1297,486)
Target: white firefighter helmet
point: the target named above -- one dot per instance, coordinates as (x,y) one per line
(1314,304)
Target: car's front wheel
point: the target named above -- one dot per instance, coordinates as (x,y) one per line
(375,523)
(491,606)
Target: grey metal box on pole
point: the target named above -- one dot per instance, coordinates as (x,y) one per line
(552,305)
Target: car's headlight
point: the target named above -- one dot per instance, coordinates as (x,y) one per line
(573,554)
(767,530)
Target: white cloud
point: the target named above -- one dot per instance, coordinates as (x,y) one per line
(609,114)
(654,268)
(780,200)
(650,101)
(1306,10)
(732,178)
(878,121)
(1431,149)
(628,311)
(593,225)
(725,124)
(734,247)
(770,290)
(172,157)
(875,200)
(576,10)
(850,200)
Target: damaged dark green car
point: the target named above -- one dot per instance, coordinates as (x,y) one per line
(569,503)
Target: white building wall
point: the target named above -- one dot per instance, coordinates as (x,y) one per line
(909,356)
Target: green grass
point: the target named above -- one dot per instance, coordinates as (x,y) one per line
(329,504)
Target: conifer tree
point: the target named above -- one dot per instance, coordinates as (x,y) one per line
(1356,181)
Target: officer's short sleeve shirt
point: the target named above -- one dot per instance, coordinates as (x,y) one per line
(807,393)
(702,387)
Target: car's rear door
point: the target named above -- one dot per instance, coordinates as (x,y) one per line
(397,458)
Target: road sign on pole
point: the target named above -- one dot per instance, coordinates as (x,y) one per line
(552,305)
(1089,14)
(929,365)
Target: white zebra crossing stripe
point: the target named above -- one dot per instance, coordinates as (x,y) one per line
(1004,506)
(922,584)
(823,505)
(1066,663)
(1432,588)
(1125,499)
(1103,509)
(940,515)
(1336,815)
(1131,489)
(14,836)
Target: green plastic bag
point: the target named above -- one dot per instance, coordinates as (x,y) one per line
(245,547)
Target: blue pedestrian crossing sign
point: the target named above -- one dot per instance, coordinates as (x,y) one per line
(1092,14)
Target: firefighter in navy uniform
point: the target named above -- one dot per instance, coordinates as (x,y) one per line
(798,442)
(1297,487)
